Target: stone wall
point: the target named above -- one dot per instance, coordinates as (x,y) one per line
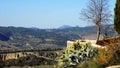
(17,55)
(93,43)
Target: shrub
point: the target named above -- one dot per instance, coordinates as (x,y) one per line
(90,63)
(110,55)
(77,53)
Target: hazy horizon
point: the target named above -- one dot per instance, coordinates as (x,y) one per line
(43,13)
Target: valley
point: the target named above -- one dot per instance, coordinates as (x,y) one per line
(20,38)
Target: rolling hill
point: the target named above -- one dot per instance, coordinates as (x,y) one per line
(34,38)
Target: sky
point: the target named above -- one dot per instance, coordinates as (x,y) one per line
(43,13)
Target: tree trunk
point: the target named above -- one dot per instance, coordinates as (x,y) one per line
(98,33)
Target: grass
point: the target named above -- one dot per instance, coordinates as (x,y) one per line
(40,66)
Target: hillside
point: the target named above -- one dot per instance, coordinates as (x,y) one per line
(34,38)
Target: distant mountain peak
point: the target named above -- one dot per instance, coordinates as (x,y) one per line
(64,27)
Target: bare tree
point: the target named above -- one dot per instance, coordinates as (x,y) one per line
(98,13)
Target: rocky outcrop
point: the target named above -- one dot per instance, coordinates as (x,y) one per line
(17,55)
(46,54)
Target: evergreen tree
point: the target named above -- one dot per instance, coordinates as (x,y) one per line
(117,17)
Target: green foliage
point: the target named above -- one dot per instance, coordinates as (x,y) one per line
(117,17)
(77,53)
(91,63)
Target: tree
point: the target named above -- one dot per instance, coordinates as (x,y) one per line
(98,13)
(117,17)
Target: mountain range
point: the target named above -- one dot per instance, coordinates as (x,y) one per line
(14,38)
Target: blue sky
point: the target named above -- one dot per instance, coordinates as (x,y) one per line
(43,13)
